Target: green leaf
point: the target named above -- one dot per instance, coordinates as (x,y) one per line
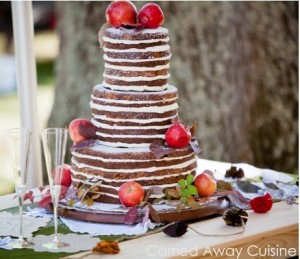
(185,193)
(192,190)
(181,184)
(189,179)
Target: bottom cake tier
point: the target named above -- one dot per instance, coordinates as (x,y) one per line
(112,166)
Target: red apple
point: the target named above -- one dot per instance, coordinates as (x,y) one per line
(151,16)
(131,194)
(121,13)
(81,129)
(178,136)
(66,178)
(205,184)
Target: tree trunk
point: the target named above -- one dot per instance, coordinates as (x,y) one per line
(235,65)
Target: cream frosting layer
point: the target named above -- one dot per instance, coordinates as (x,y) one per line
(122,31)
(132,101)
(133,42)
(130,68)
(160,48)
(141,121)
(144,170)
(139,88)
(101,134)
(76,154)
(136,78)
(144,178)
(123,144)
(117,127)
(109,59)
(150,109)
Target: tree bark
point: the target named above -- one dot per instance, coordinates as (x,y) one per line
(235,65)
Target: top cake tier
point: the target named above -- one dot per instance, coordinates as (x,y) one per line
(136,59)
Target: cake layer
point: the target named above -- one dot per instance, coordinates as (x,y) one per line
(115,166)
(136,60)
(132,119)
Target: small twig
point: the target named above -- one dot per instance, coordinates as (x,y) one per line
(220,235)
(145,234)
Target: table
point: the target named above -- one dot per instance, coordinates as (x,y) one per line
(269,235)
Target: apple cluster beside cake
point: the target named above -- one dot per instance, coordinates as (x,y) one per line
(133,110)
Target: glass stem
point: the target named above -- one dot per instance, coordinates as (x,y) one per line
(55,192)
(21,218)
(20,190)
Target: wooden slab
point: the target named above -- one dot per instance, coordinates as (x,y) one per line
(213,208)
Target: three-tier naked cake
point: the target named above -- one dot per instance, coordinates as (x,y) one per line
(132,108)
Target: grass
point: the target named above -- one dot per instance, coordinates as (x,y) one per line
(45,72)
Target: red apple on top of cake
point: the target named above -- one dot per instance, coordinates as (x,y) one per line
(178,136)
(151,16)
(120,13)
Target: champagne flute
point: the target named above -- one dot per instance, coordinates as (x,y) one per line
(20,139)
(54,142)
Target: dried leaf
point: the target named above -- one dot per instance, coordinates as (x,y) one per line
(193,204)
(83,144)
(180,207)
(238,200)
(248,187)
(222,193)
(193,129)
(234,216)
(29,196)
(177,229)
(223,185)
(45,201)
(272,186)
(234,172)
(131,215)
(80,192)
(146,214)
(158,149)
(156,190)
(172,192)
(107,247)
(195,146)
(88,201)
(101,34)
(95,196)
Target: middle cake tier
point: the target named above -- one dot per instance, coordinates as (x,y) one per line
(132,119)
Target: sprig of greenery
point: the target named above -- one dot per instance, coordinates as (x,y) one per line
(186,188)
(184,192)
